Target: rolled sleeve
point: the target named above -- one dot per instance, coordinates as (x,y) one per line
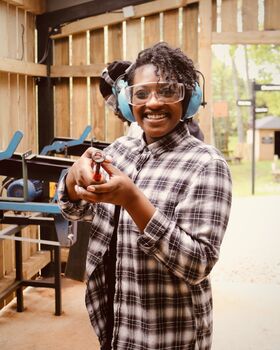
(153,232)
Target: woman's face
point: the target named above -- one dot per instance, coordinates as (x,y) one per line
(155,117)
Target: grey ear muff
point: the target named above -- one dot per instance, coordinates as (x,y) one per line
(105,75)
(194,103)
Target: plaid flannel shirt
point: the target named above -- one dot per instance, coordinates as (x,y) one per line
(163,298)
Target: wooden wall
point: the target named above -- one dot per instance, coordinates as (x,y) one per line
(17,110)
(192,25)
(78,101)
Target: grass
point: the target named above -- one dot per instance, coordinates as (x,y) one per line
(264,181)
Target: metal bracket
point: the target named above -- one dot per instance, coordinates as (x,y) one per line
(12,146)
(60,146)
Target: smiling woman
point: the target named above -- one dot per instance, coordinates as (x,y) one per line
(148,266)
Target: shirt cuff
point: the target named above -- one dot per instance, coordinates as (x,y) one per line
(155,229)
(63,199)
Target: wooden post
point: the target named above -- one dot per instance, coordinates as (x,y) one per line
(204,65)
(45,90)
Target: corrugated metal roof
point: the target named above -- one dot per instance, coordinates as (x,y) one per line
(269,122)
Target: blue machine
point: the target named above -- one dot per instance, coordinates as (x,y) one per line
(34,189)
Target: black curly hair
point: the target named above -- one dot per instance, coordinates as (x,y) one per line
(171,63)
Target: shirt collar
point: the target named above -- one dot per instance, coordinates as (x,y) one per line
(167,142)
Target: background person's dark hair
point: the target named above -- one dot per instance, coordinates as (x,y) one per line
(115,69)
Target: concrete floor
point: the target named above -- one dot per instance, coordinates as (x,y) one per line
(246,291)
(37,328)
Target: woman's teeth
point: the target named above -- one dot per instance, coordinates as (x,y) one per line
(155,116)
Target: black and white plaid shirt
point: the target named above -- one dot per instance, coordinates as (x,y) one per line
(163,297)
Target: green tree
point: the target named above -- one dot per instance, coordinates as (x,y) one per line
(266,59)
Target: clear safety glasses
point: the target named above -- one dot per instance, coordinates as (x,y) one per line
(165,92)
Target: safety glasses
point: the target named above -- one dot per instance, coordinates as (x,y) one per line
(165,92)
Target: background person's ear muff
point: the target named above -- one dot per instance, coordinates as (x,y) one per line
(122,104)
(105,75)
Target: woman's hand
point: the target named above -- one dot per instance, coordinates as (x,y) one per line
(82,173)
(119,189)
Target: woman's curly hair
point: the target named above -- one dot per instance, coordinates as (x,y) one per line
(171,63)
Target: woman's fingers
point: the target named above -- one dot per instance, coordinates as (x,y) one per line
(110,169)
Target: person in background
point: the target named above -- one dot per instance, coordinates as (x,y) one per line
(107,80)
(149,262)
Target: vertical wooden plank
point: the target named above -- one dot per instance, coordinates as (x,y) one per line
(2,304)
(97,108)
(21,35)
(4,100)
(79,97)
(21,55)
(12,30)
(133,38)
(4,29)
(249,15)
(190,31)
(31,114)
(9,257)
(30,83)
(152,30)
(1,259)
(204,51)
(229,15)
(61,90)
(171,27)
(30,37)
(13,112)
(271,14)
(23,121)
(114,126)
(214,15)
(115,42)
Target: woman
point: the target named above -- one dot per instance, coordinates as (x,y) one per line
(174,194)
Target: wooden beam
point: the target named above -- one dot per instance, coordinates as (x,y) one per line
(35,6)
(249,37)
(22,67)
(65,71)
(84,10)
(30,268)
(111,18)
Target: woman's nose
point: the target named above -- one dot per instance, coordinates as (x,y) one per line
(153,100)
